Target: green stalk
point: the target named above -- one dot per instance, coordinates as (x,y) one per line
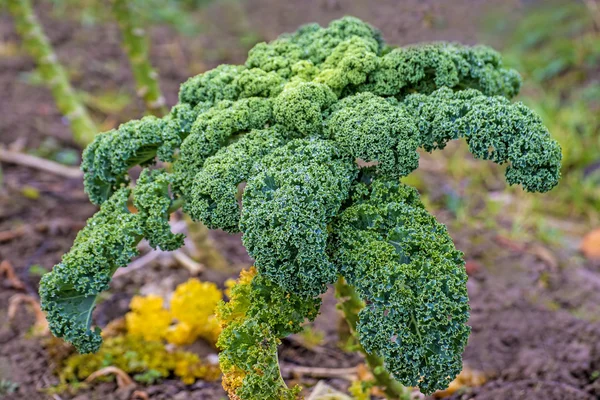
(51,71)
(136,45)
(205,250)
(350,305)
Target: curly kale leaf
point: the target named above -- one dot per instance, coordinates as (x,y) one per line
(313,45)
(288,203)
(349,64)
(258,315)
(212,86)
(152,200)
(425,68)
(69,291)
(278,56)
(403,264)
(301,105)
(318,43)
(214,191)
(213,129)
(107,160)
(229,82)
(375,129)
(495,129)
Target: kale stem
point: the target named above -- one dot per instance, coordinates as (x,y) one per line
(176,205)
(350,304)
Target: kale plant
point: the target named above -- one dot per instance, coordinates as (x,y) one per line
(297,124)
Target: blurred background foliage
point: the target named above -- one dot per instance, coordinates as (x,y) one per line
(180,14)
(557,49)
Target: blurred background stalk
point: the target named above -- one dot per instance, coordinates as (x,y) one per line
(136,45)
(51,71)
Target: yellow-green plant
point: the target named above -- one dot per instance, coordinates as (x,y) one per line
(149,326)
(192,307)
(145,360)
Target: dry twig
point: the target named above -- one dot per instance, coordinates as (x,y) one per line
(139,263)
(27,160)
(188,263)
(123,380)
(297,371)
(8,271)
(41,324)
(52,226)
(139,394)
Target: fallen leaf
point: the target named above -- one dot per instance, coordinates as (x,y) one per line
(7,236)
(114,328)
(510,244)
(590,246)
(467,378)
(323,391)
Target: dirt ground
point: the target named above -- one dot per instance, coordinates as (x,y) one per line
(535,311)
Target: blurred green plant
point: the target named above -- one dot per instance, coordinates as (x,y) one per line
(7,387)
(51,71)
(557,48)
(37,270)
(136,45)
(179,14)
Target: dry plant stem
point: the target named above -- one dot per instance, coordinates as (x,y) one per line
(51,71)
(135,43)
(7,270)
(350,305)
(594,9)
(13,157)
(318,372)
(193,267)
(123,380)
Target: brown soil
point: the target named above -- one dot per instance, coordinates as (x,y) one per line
(535,321)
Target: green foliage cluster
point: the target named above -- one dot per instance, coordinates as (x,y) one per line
(177,13)
(296,125)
